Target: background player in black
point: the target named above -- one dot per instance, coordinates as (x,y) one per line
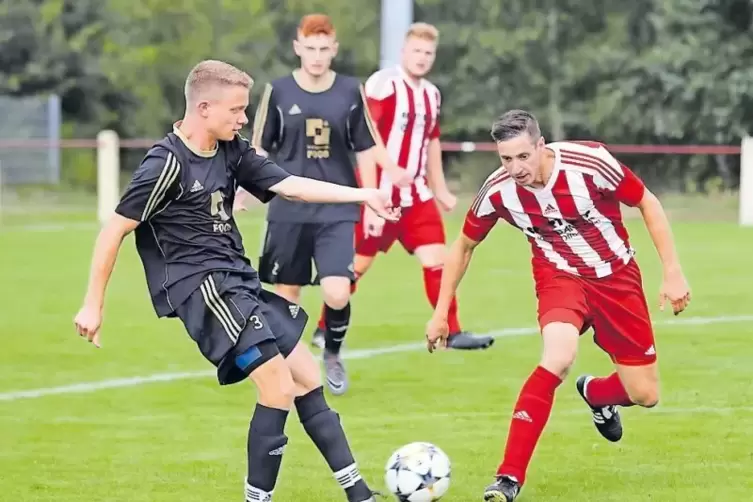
(179,204)
(313,121)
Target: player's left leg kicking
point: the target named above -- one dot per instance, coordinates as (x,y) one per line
(421,232)
(322,424)
(622,328)
(567,306)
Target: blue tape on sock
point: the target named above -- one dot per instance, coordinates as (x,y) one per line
(246,359)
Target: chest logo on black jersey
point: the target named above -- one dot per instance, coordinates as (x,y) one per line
(219,213)
(317,133)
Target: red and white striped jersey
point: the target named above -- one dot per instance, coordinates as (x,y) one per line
(407,118)
(574,222)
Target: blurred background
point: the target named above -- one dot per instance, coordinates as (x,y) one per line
(667,83)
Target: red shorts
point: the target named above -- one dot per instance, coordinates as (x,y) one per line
(615,306)
(419,225)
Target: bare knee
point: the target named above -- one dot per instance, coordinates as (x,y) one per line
(361,264)
(289,292)
(274,384)
(304,369)
(560,348)
(641,383)
(431,255)
(646,395)
(336,292)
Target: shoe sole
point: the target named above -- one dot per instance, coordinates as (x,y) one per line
(475,347)
(495,497)
(337,391)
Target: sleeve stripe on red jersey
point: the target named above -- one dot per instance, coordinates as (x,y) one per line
(490,183)
(580,159)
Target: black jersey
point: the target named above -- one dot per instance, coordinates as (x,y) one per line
(313,134)
(184,201)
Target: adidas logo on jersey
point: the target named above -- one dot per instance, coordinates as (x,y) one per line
(294,309)
(549,209)
(294,110)
(651,351)
(196,187)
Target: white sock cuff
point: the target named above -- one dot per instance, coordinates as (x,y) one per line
(349,476)
(254,494)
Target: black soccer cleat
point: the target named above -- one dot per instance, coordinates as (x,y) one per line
(317,340)
(606,419)
(504,489)
(374,496)
(468,341)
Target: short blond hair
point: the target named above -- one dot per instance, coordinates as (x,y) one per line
(210,73)
(424,31)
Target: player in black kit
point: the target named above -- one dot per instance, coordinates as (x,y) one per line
(312,122)
(179,203)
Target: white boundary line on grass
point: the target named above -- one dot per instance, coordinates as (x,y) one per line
(115,383)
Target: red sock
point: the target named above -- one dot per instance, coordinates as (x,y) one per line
(321,324)
(528,420)
(607,391)
(432,283)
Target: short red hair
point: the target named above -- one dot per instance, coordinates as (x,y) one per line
(423,31)
(316,24)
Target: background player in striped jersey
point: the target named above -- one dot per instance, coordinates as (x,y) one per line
(406,107)
(565,197)
(311,121)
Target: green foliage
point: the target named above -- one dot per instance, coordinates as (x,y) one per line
(652,71)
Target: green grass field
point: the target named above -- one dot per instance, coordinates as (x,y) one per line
(183,439)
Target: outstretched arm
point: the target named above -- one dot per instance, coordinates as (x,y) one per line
(264,179)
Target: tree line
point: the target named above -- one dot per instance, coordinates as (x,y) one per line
(646,71)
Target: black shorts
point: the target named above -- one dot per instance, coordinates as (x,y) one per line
(238,326)
(290,248)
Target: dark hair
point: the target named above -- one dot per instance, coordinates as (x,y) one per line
(514,123)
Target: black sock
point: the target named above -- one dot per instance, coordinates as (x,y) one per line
(337,322)
(266,444)
(323,427)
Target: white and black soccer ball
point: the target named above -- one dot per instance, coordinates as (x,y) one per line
(418,472)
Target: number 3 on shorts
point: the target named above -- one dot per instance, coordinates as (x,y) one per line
(256,321)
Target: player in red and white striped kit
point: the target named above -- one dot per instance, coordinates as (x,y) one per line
(406,108)
(565,197)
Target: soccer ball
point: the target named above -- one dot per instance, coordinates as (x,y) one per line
(418,472)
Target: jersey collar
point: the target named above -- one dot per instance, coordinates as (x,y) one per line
(408,80)
(196,151)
